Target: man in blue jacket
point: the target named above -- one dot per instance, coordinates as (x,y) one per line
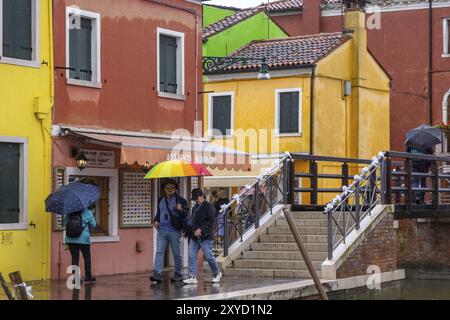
(170,218)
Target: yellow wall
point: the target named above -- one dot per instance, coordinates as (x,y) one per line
(254,109)
(356,126)
(26,94)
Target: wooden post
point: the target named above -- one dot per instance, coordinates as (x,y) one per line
(408,184)
(5,287)
(435,184)
(305,256)
(19,288)
(314,181)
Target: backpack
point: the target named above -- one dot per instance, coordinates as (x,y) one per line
(74,226)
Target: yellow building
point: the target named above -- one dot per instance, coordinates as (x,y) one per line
(327,96)
(26,98)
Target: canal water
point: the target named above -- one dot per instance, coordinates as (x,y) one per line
(407,289)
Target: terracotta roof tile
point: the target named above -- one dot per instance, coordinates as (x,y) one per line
(284,5)
(287,52)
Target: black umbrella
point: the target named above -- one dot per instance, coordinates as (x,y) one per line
(423,137)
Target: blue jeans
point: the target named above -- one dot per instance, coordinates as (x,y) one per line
(194,247)
(174,239)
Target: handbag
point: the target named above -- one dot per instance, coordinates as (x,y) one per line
(177,223)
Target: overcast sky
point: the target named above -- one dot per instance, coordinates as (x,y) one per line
(238,3)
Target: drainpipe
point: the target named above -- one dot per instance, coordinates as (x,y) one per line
(196,71)
(430,61)
(311,111)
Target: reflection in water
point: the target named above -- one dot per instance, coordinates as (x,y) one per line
(399,290)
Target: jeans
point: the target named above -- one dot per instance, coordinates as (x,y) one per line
(194,247)
(85,249)
(162,240)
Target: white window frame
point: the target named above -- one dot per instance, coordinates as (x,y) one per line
(277,112)
(445,32)
(210,114)
(35,61)
(95,48)
(113,176)
(23,185)
(180,63)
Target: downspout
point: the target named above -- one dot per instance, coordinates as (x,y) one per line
(311,111)
(196,70)
(430,61)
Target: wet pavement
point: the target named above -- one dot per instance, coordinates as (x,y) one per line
(138,287)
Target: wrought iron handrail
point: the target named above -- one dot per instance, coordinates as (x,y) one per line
(355,202)
(247,207)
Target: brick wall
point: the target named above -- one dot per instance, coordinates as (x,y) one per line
(378,248)
(423,244)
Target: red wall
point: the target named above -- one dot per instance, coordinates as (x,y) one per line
(128,98)
(401,46)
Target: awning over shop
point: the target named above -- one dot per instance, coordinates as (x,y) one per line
(141,149)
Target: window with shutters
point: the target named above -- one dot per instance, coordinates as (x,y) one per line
(221,114)
(13,153)
(288,112)
(83,47)
(19,32)
(170,60)
(446,37)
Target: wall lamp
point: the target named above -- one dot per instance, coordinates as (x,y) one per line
(146,167)
(80,158)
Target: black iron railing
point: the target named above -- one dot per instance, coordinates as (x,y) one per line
(247,208)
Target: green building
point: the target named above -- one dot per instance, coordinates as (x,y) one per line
(227,29)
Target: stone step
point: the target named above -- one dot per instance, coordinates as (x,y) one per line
(302,223)
(301,230)
(299,274)
(282,255)
(274,264)
(290,238)
(288,246)
(308,215)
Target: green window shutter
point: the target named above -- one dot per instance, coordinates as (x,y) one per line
(22,28)
(221,117)
(85,50)
(73,54)
(8,28)
(9,183)
(162,63)
(80,51)
(17,42)
(289,112)
(168,64)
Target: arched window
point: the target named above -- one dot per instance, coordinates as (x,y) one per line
(446,120)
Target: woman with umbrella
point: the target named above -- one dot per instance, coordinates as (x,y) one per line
(421,140)
(76,201)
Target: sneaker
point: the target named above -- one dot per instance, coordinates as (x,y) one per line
(90,279)
(190,280)
(155,277)
(216,278)
(177,277)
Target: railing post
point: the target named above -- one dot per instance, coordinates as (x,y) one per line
(225,231)
(313,170)
(383,173)
(330,235)
(408,184)
(291,177)
(286,174)
(257,207)
(435,184)
(345,174)
(357,207)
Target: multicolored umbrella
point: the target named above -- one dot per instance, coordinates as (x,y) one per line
(177,168)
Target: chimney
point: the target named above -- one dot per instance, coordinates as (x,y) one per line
(311,16)
(355,28)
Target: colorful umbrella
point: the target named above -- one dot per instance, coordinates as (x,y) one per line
(177,168)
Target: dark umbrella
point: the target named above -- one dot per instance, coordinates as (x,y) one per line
(423,137)
(73,197)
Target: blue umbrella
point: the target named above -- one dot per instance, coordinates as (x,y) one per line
(73,197)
